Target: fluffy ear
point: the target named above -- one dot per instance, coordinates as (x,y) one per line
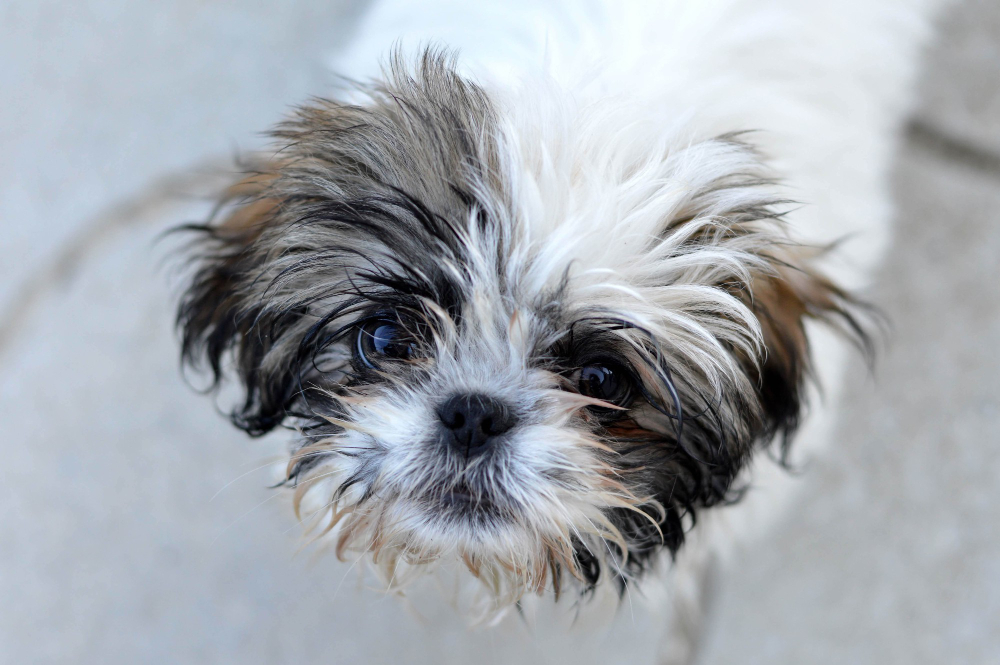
(783,301)
(316,236)
(218,311)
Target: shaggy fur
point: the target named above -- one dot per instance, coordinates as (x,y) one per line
(516,229)
(405,208)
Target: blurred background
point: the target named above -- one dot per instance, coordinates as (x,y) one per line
(135,524)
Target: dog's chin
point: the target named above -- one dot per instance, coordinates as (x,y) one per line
(462,523)
(461,513)
(463,504)
(470,511)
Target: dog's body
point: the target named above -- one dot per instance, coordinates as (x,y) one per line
(573,236)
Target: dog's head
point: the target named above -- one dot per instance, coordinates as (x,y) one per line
(530,339)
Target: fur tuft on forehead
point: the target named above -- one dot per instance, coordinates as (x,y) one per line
(512,255)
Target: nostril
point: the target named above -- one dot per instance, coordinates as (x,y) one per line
(451,415)
(499,420)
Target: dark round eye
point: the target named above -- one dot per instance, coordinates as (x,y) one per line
(379,339)
(607,380)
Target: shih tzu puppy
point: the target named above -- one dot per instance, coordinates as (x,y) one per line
(541,285)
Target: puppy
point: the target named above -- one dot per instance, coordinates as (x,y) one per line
(538,288)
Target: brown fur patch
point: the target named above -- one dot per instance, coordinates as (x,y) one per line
(783,302)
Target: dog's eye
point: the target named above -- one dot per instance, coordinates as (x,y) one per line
(607,380)
(382,339)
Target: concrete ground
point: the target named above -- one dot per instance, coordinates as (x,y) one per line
(127,532)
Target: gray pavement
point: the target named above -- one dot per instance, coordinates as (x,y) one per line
(116,543)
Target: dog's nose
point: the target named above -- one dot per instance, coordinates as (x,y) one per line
(472,422)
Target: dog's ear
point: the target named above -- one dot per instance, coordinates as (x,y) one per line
(220,312)
(783,301)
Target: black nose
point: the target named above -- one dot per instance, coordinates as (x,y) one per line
(472,422)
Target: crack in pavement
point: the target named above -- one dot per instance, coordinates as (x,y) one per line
(952,148)
(201,181)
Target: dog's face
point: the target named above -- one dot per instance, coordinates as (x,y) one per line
(531,342)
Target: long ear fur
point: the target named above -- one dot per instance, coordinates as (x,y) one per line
(783,301)
(215,316)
